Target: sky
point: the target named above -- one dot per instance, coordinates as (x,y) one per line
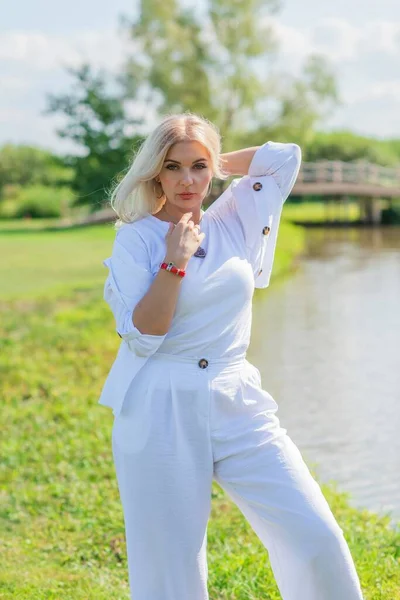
(39,38)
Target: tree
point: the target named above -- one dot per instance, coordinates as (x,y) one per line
(306,101)
(217,65)
(22,165)
(348,146)
(97,122)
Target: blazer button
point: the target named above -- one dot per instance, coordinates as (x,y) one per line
(257,186)
(266,230)
(203,363)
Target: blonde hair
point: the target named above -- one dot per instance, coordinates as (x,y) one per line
(135,196)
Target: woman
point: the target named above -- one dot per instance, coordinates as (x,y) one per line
(188,405)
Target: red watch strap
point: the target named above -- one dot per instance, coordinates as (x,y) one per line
(173,268)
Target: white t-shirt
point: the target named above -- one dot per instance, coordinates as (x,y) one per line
(214,308)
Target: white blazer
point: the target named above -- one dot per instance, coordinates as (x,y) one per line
(258,198)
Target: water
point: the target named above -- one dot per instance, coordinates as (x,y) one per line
(327,343)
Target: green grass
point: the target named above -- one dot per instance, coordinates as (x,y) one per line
(42,262)
(61,518)
(318,212)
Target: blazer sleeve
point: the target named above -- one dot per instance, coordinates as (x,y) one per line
(128,280)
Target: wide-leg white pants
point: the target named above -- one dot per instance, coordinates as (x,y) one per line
(181,426)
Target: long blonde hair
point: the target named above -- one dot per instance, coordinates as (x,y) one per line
(135,196)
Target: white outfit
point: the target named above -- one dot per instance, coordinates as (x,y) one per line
(189,407)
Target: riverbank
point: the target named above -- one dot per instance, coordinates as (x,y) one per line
(61,518)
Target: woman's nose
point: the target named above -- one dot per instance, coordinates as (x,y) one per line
(187,178)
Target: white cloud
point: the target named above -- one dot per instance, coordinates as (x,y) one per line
(340,40)
(381,36)
(45,52)
(336,38)
(366,60)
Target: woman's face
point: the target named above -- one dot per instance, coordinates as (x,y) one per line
(186,169)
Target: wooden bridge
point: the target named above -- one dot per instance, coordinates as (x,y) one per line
(374,187)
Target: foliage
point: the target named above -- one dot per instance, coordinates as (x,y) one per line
(98,124)
(348,146)
(305,102)
(391,215)
(38,201)
(215,65)
(22,165)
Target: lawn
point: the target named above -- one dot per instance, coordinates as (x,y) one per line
(61,518)
(319,212)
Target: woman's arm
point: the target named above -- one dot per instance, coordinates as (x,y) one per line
(153,314)
(280,160)
(238,162)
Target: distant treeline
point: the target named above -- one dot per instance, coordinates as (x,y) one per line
(37,183)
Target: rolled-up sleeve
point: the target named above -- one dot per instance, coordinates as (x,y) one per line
(280,160)
(256,201)
(128,280)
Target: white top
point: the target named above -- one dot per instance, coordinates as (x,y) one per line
(214,309)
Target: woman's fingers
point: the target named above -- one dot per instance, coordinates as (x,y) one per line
(185,217)
(170,229)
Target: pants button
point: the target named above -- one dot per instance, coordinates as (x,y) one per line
(203,363)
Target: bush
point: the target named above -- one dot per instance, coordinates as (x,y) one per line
(38,202)
(391,215)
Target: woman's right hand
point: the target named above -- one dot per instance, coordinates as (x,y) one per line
(182,239)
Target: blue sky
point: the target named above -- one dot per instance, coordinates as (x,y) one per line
(37,37)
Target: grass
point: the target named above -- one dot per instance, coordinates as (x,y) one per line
(61,518)
(43,262)
(319,212)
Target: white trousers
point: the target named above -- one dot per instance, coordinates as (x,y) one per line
(183,425)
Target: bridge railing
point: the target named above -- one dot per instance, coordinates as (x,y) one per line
(326,171)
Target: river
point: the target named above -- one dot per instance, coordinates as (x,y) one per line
(327,343)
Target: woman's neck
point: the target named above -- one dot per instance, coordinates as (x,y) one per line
(164,215)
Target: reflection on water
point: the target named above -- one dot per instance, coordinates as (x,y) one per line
(327,343)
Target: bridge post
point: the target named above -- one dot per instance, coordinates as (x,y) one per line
(347,208)
(364,210)
(371,213)
(376,212)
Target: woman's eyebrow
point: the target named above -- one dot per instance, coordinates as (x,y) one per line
(178,163)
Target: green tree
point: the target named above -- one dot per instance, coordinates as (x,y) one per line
(216,64)
(97,122)
(306,101)
(22,165)
(348,146)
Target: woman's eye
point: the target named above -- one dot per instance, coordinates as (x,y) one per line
(198,165)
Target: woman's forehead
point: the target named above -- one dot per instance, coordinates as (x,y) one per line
(187,151)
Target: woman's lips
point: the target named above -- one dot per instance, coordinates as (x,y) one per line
(187,195)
